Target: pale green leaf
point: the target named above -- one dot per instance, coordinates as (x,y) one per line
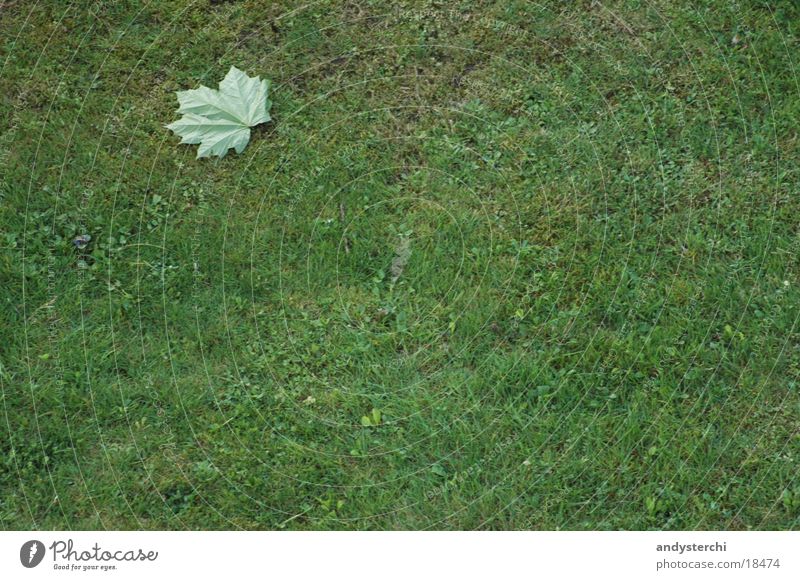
(250,92)
(215,136)
(219,120)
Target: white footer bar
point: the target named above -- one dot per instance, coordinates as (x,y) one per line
(333,555)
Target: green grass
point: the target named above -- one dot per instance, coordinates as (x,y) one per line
(595,327)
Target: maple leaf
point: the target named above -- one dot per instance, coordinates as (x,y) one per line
(219,120)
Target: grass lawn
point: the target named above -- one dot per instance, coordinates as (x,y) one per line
(493,264)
